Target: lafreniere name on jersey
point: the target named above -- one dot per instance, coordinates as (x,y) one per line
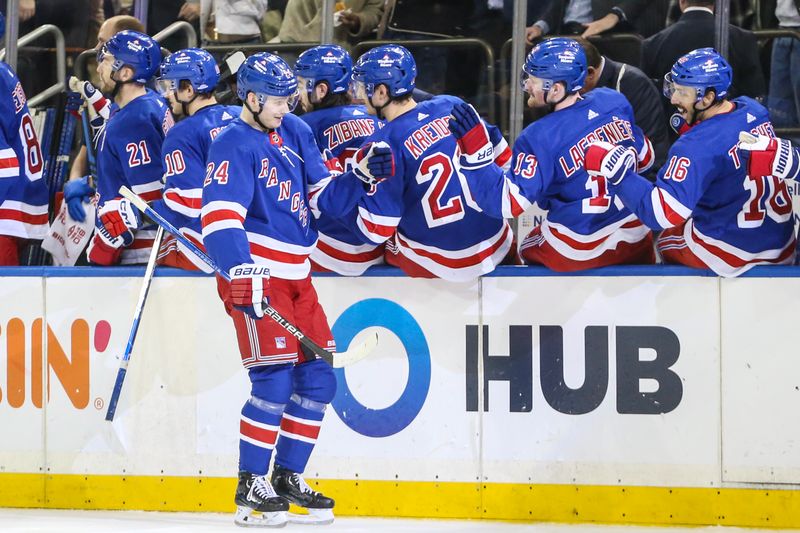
(613,132)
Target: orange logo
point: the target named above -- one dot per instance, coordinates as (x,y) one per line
(70,371)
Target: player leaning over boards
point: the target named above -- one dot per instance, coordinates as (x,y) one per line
(340,127)
(187,80)
(23,192)
(431,225)
(264,173)
(585,226)
(713,212)
(129,148)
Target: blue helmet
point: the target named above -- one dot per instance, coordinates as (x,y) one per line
(135,50)
(557,60)
(265,75)
(390,65)
(702,69)
(329,63)
(194,65)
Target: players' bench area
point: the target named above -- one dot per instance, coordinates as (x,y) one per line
(655,394)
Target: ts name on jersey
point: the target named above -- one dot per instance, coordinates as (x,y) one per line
(344,131)
(18,95)
(423,138)
(614,132)
(298,205)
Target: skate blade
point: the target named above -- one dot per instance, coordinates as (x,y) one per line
(246,517)
(315,517)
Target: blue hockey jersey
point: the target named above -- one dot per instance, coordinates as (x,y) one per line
(438,225)
(129,153)
(23,192)
(583,219)
(257,193)
(342,130)
(733,221)
(184,154)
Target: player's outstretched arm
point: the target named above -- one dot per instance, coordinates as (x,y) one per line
(475,146)
(654,205)
(766,156)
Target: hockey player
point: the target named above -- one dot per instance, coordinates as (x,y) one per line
(323,73)
(129,148)
(585,226)
(433,226)
(23,192)
(187,80)
(714,214)
(264,173)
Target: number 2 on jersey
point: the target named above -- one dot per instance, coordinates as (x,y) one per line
(438,169)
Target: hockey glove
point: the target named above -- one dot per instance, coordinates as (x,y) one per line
(120,219)
(765,156)
(332,163)
(250,289)
(100,105)
(74,103)
(472,137)
(610,161)
(374,162)
(76,192)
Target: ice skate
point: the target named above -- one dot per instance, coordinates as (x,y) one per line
(294,488)
(257,504)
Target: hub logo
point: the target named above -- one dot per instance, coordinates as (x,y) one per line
(393,419)
(25,356)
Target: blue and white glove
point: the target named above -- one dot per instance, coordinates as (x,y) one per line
(374,162)
(610,161)
(477,150)
(120,219)
(250,289)
(76,193)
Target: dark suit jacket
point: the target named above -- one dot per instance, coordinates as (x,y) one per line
(645,100)
(693,30)
(644,16)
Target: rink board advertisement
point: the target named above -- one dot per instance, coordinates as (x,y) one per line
(483,399)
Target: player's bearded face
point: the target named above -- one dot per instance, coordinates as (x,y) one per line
(684,99)
(306,88)
(104,71)
(536,94)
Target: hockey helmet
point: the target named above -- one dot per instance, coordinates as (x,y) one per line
(329,63)
(391,65)
(135,50)
(192,64)
(266,75)
(557,60)
(701,69)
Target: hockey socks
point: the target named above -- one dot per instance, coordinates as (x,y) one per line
(299,431)
(258,431)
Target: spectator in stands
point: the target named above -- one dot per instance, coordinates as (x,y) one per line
(784,82)
(593,17)
(695,30)
(353,22)
(741,13)
(637,88)
(233,21)
(162,13)
(69,15)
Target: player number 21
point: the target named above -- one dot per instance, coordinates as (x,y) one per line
(137,154)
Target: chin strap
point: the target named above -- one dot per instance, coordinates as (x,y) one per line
(256,115)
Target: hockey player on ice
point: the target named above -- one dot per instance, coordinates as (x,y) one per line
(264,175)
(129,148)
(714,213)
(187,80)
(430,223)
(323,73)
(23,192)
(585,226)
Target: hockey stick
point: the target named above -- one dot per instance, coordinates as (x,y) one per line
(337,360)
(137,316)
(88,143)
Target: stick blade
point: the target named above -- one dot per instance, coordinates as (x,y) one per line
(356,353)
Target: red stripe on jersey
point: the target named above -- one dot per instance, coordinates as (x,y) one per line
(516,209)
(9,162)
(648,156)
(362,257)
(277,255)
(463,261)
(193,203)
(579,245)
(378,229)
(267,436)
(221,214)
(298,428)
(21,216)
(150,196)
(503,158)
(673,216)
(738,262)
